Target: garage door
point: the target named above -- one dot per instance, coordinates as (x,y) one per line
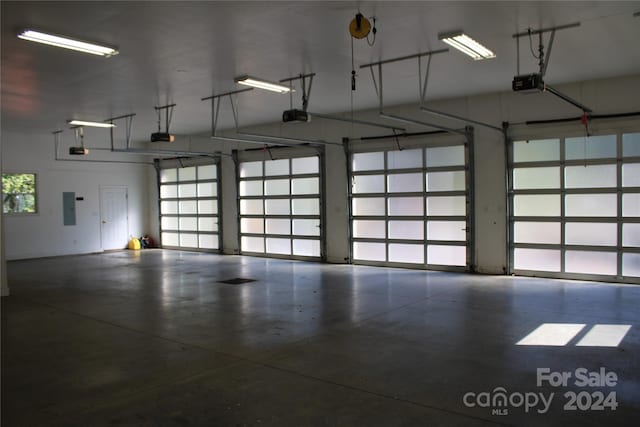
(575,207)
(410,207)
(189,206)
(280,208)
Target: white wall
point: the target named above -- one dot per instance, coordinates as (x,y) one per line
(43,234)
(229,206)
(337,205)
(152,223)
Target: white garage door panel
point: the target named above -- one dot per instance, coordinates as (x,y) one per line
(402,207)
(280,212)
(189,207)
(576,212)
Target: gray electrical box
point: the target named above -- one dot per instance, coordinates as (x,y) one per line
(69,208)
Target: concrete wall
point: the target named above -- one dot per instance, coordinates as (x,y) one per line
(43,234)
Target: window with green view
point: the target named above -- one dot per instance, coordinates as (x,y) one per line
(18,193)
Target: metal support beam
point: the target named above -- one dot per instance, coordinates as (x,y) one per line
(306,90)
(545,30)
(253,141)
(277,140)
(420,123)
(56,148)
(544,59)
(168,110)
(301,76)
(400,135)
(471,188)
(357,121)
(508,152)
(220,95)
(128,149)
(120,117)
(284,138)
(145,151)
(462,119)
(543,70)
(403,58)
(215,106)
(570,100)
(380,92)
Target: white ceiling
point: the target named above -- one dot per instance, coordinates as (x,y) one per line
(180,52)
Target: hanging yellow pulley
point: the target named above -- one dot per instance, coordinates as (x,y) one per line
(359,27)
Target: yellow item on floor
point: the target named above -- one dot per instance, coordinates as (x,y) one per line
(134,244)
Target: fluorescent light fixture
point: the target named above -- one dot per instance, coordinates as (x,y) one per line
(467,45)
(92,124)
(67,43)
(261,84)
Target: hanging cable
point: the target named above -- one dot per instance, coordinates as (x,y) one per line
(164,136)
(420,79)
(129,123)
(373,78)
(353,68)
(395,137)
(585,121)
(531,45)
(168,117)
(359,28)
(267,150)
(374,30)
(79,133)
(517,56)
(540,54)
(423,86)
(291,94)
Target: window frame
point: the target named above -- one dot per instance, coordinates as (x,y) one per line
(36,204)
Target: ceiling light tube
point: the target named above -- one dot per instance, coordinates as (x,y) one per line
(67,43)
(467,45)
(91,124)
(262,84)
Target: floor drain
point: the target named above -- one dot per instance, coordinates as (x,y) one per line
(237,281)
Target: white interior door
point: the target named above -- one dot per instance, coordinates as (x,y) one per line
(114,219)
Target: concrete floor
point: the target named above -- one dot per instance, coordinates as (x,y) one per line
(152,338)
